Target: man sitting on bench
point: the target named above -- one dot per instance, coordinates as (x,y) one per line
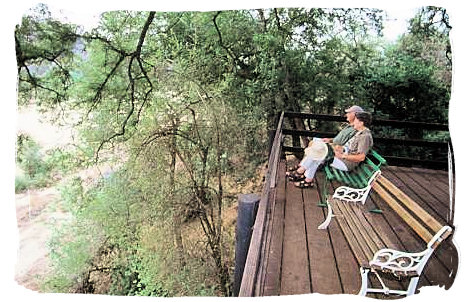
(347,132)
(337,142)
(347,158)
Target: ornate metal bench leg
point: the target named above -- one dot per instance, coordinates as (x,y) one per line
(412,286)
(364,280)
(327,220)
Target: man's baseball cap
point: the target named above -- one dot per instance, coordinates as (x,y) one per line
(354,109)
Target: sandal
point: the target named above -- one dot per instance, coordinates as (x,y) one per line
(295,176)
(293,169)
(304,184)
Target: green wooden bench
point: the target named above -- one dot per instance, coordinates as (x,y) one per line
(359,177)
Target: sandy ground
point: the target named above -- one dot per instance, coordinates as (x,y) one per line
(35,217)
(38,211)
(33,208)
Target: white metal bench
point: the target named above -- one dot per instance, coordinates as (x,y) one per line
(376,255)
(350,195)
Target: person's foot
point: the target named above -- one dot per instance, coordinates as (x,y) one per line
(294,168)
(304,184)
(294,176)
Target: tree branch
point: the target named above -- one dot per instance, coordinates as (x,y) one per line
(221,42)
(133,56)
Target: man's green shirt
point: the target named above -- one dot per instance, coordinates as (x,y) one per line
(344,135)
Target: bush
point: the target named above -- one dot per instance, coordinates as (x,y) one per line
(30,159)
(22,182)
(42,169)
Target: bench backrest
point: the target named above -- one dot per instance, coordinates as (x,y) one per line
(359,177)
(426,226)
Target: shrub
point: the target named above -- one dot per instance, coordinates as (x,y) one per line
(22,182)
(30,159)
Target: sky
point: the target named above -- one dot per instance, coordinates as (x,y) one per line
(396,22)
(85,9)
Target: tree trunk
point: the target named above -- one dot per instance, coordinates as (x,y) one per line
(293,105)
(176,216)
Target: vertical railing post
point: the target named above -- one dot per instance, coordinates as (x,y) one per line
(271,135)
(246,214)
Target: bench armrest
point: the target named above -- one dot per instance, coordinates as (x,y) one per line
(350,194)
(355,195)
(399,262)
(378,157)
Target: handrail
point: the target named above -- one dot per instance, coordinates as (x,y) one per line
(386,140)
(252,265)
(433,163)
(375,122)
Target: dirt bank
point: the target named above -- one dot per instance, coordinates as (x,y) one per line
(38,211)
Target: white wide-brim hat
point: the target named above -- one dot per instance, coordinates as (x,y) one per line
(317,151)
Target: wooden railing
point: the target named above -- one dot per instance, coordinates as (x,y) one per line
(384,144)
(253,266)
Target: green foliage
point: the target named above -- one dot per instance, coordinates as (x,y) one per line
(62,159)
(405,88)
(72,195)
(41,168)
(31,160)
(22,183)
(131,224)
(44,53)
(72,249)
(184,102)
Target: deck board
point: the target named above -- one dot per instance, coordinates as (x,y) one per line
(321,258)
(429,195)
(320,261)
(422,191)
(274,263)
(295,267)
(347,265)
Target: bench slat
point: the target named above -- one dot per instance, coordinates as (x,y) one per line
(358,177)
(379,243)
(362,181)
(355,179)
(431,222)
(360,248)
(358,253)
(356,223)
(366,172)
(340,176)
(406,216)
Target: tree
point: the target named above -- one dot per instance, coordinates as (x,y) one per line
(44,55)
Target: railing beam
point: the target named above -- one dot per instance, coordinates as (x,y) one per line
(375,122)
(252,264)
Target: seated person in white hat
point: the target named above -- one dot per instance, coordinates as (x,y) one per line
(354,151)
(340,139)
(314,157)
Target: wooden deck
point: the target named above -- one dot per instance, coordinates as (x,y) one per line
(300,259)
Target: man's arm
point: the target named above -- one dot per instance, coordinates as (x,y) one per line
(357,158)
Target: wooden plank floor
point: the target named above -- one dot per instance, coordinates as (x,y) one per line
(300,259)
